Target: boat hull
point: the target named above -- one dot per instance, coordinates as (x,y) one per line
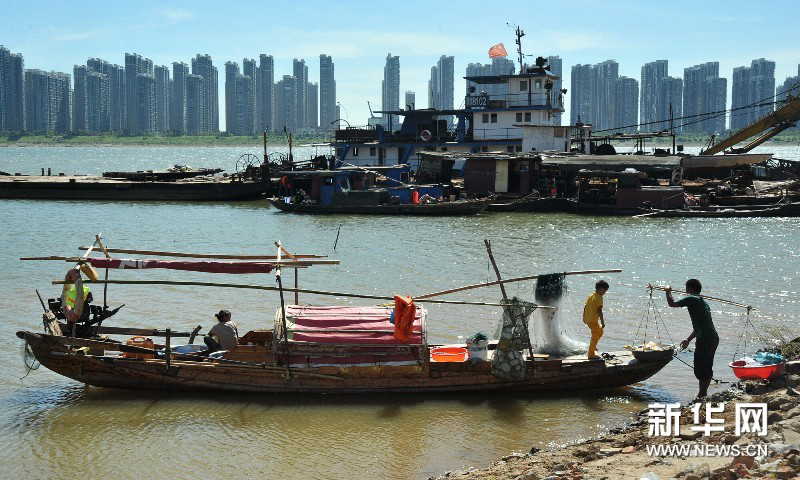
(153,374)
(95,188)
(432,209)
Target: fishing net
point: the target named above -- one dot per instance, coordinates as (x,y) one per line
(548,334)
(508,362)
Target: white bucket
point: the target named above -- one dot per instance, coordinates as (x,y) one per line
(478,350)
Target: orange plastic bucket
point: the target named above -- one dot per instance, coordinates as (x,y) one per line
(143,342)
(449,354)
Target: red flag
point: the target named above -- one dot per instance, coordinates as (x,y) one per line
(498,50)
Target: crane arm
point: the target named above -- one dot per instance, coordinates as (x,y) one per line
(772,124)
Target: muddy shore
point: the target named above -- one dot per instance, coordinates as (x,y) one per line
(622,452)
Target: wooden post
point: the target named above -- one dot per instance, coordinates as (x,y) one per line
(296,293)
(167,348)
(283,307)
(503,291)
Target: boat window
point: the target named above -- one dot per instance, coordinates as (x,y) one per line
(523,85)
(519,116)
(485,118)
(519,148)
(371,151)
(527,116)
(494,118)
(444,149)
(484,148)
(355,151)
(510,148)
(538,84)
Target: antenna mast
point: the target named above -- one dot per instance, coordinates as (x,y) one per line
(519,34)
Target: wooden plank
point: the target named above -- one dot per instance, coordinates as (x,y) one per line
(140,332)
(203,255)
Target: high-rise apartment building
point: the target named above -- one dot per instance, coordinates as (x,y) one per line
(162,94)
(300,74)
(286,104)
(145,104)
(390,91)
(704,92)
(669,104)
(327,93)
(196,107)
(626,106)
(581,94)
(312,105)
(441,83)
(240,99)
(98,102)
(265,95)
(47,101)
(116,85)
(604,85)
(410,100)
(556,68)
(135,65)
(652,75)
(499,66)
(12,88)
(752,86)
(209,120)
(791,86)
(79,100)
(177,110)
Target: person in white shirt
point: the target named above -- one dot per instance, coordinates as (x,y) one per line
(223,335)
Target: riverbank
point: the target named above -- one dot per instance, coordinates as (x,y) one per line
(189,141)
(622,452)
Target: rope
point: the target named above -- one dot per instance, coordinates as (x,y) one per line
(29,359)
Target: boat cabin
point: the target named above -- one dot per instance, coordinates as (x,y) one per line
(628,190)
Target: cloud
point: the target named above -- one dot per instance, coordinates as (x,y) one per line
(73,36)
(175,15)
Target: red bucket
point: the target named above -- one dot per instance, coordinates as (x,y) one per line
(761,372)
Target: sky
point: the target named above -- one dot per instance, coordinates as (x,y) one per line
(55,35)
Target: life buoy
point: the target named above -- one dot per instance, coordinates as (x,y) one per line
(425,135)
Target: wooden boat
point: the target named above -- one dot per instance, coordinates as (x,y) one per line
(534,204)
(170,175)
(99,188)
(455,208)
(782,210)
(316,349)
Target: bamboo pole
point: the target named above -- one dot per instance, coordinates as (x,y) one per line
(707,297)
(300,290)
(203,255)
(509,280)
(301,263)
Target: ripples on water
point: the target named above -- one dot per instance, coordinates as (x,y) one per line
(56,428)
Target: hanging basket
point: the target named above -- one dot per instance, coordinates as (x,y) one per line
(756,372)
(653,355)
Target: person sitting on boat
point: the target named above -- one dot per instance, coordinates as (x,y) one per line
(702,329)
(223,335)
(75,296)
(593,316)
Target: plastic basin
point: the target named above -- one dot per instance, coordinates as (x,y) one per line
(761,372)
(449,354)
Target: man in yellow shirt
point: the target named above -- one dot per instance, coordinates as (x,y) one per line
(593,316)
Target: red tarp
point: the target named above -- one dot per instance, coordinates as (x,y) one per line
(331,325)
(193,266)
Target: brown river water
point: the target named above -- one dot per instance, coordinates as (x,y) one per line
(53,427)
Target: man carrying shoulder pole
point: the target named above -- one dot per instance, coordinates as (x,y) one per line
(702,330)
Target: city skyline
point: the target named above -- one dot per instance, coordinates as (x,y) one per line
(54,36)
(150,105)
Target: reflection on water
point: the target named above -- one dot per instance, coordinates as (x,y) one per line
(52,427)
